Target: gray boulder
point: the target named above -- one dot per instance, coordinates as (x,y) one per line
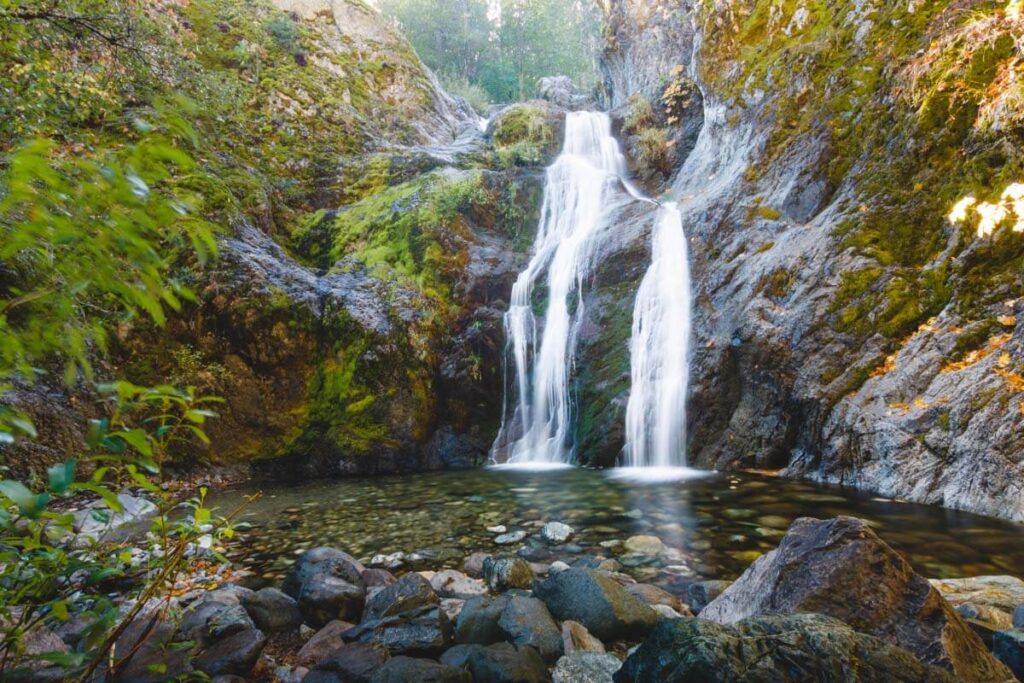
(1018,616)
(596,601)
(410,592)
(772,649)
(499,663)
(502,573)
(478,620)
(323,643)
(839,567)
(586,667)
(408,669)
(556,533)
(328,585)
(236,654)
(422,631)
(215,615)
(526,621)
(355,662)
(273,611)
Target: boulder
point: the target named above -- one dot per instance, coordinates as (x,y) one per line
(323,643)
(474,564)
(450,583)
(501,573)
(354,662)
(576,638)
(273,611)
(422,631)
(779,648)
(215,615)
(152,637)
(328,585)
(1008,647)
(701,593)
(561,91)
(556,533)
(652,595)
(410,592)
(840,568)
(596,601)
(478,620)
(408,669)
(994,597)
(377,579)
(499,663)
(586,667)
(526,621)
(236,654)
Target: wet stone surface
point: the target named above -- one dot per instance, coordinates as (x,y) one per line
(712,527)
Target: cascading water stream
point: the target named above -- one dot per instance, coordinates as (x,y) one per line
(536,428)
(656,412)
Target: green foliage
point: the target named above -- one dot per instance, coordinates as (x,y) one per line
(466,42)
(475,94)
(284,31)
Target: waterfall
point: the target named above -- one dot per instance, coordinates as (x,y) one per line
(656,412)
(536,426)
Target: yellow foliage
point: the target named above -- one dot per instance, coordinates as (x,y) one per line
(977,355)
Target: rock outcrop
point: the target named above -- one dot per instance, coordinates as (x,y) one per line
(840,568)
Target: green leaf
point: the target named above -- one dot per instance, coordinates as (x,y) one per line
(29,503)
(61,476)
(137,439)
(108,496)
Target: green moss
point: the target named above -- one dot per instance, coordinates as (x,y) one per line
(778,283)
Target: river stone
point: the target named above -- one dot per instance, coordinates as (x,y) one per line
(586,667)
(325,598)
(290,674)
(526,621)
(322,561)
(450,583)
(644,545)
(652,595)
(499,663)
(478,620)
(596,601)
(996,596)
(422,631)
(501,573)
(377,579)
(273,611)
(409,669)
(323,643)
(576,638)
(556,533)
(354,662)
(701,593)
(410,592)
(1018,617)
(557,566)
(1008,647)
(452,607)
(510,538)
(780,648)
(839,567)
(474,565)
(236,654)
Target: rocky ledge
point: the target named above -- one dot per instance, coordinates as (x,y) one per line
(832,603)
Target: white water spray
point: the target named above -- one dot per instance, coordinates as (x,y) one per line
(656,413)
(536,428)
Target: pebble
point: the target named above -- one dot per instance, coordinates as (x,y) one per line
(509,539)
(499,529)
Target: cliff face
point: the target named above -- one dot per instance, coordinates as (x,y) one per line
(846,329)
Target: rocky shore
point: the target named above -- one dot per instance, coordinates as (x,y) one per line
(833,602)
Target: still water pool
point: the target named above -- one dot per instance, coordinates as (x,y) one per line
(720,522)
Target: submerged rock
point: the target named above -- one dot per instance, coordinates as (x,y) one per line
(777,648)
(840,568)
(556,533)
(596,601)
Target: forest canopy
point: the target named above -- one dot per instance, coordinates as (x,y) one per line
(496,50)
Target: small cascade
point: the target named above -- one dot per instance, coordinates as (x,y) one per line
(656,413)
(537,419)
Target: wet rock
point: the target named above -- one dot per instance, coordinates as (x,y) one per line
(273,611)
(408,669)
(994,597)
(1018,617)
(777,648)
(37,641)
(290,674)
(509,539)
(153,637)
(839,567)
(596,601)
(556,533)
(328,585)
(500,663)
(526,621)
(410,592)
(652,595)
(323,643)
(97,520)
(576,638)
(478,620)
(644,545)
(354,662)
(474,564)
(450,583)
(701,593)
(501,573)
(1008,648)
(215,615)
(586,667)
(498,529)
(236,654)
(421,631)
(557,566)
(376,579)
(390,561)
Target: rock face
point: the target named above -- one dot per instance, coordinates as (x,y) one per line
(840,568)
(777,648)
(845,330)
